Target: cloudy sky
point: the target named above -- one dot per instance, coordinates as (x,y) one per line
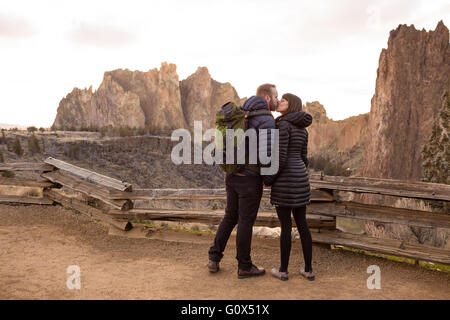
(324,50)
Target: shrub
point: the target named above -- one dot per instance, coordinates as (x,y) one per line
(8,174)
(311,161)
(33,145)
(328,166)
(32,129)
(125,131)
(320,163)
(329,169)
(103,131)
(1,157)
(436,153)
(41,129)
(17,147)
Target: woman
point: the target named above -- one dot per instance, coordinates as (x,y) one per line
(290,189)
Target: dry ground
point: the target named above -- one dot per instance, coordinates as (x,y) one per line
(38,243)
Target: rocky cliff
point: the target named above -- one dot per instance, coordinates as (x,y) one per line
(159,94)
(155,99)
(412,75)
(342,140)
(202,97)
(109,105)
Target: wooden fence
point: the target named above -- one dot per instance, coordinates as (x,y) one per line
(116,203)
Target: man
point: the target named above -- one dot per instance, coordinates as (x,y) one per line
(244,191)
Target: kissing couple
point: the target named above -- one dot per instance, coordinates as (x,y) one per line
(290,187)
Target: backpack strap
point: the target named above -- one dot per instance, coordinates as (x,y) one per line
(261,112)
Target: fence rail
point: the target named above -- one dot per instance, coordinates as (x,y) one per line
(113,201)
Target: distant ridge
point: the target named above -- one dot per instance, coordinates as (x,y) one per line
(10,126)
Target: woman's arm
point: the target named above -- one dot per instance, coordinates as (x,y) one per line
(305,150)
(283,132)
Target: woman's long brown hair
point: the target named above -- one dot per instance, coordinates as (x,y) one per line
(294,102)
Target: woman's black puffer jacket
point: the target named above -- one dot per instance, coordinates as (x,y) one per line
(290,186)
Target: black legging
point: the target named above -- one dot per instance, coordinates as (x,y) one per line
(284,214)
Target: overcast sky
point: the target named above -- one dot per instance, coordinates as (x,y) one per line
(319,50)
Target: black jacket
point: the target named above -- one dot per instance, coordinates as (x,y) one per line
(290,186)
(267,122)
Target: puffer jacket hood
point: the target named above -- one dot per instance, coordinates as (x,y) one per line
(300,119)
(255,103)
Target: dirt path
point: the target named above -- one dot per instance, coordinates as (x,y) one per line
(38,243)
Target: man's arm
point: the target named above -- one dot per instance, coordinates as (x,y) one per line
(268,125)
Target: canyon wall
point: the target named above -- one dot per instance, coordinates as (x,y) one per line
(155,99)
(341,140)
(413,74)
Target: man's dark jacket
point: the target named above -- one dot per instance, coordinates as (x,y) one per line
(255,103)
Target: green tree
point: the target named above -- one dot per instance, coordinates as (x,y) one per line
(320,163)
(311,162)
(17,147)
(32,129)
(41,129)
(33,145)
(436,153)
(125,131)
(102,131)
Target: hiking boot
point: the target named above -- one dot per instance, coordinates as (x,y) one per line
(213,266)
(308,275)
(280,275)
(253,272)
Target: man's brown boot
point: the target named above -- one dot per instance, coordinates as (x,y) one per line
(213,266)
(253,272)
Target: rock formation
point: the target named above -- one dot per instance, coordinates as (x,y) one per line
(202,97)
(109,105)
(159,94)
(156,99)
(412,75)
(342,140)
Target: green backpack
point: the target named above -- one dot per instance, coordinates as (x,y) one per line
(230,116)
